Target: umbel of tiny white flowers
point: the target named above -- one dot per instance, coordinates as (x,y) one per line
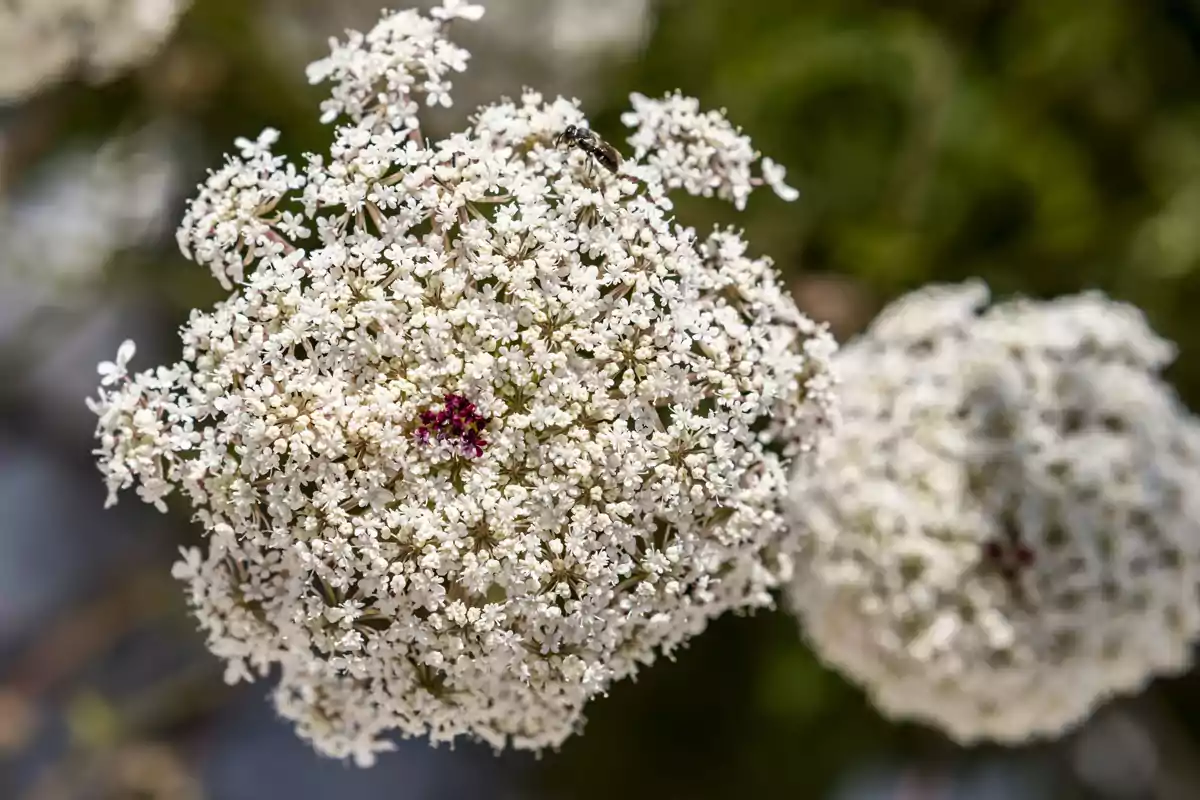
(1006,530)
(43,41)
(480,429)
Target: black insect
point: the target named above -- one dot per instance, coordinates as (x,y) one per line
(590,143)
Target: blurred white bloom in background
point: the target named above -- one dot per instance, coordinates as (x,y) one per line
(583,28)
(481,428)
(72,217)
(1007,529)
(86,206)
(44,41)
(1116,755)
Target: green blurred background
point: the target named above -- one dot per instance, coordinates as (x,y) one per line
(1047,146)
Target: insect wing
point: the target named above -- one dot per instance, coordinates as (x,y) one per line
(608,154)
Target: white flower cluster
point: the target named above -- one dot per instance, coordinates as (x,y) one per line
(1007,529)
(41,41)
(481,429)
(700,152)
(555,42)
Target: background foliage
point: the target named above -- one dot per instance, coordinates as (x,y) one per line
(1046,145)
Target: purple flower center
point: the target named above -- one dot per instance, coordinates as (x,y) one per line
(1009,557)
(457,423)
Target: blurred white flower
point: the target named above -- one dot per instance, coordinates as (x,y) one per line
(457,9)
(481,429)
(43,41)
(1007,529)
(70,219)
(580,29)
(1116,756)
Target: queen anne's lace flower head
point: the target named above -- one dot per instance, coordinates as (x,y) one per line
(42,41)
(1007,529)
(480,429)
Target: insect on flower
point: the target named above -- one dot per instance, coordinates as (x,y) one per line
(589,142)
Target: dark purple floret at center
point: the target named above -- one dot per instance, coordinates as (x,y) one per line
(457,423)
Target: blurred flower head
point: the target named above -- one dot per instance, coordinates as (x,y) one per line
(43,41)
(1007,529)
(481,428)
(86,207)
